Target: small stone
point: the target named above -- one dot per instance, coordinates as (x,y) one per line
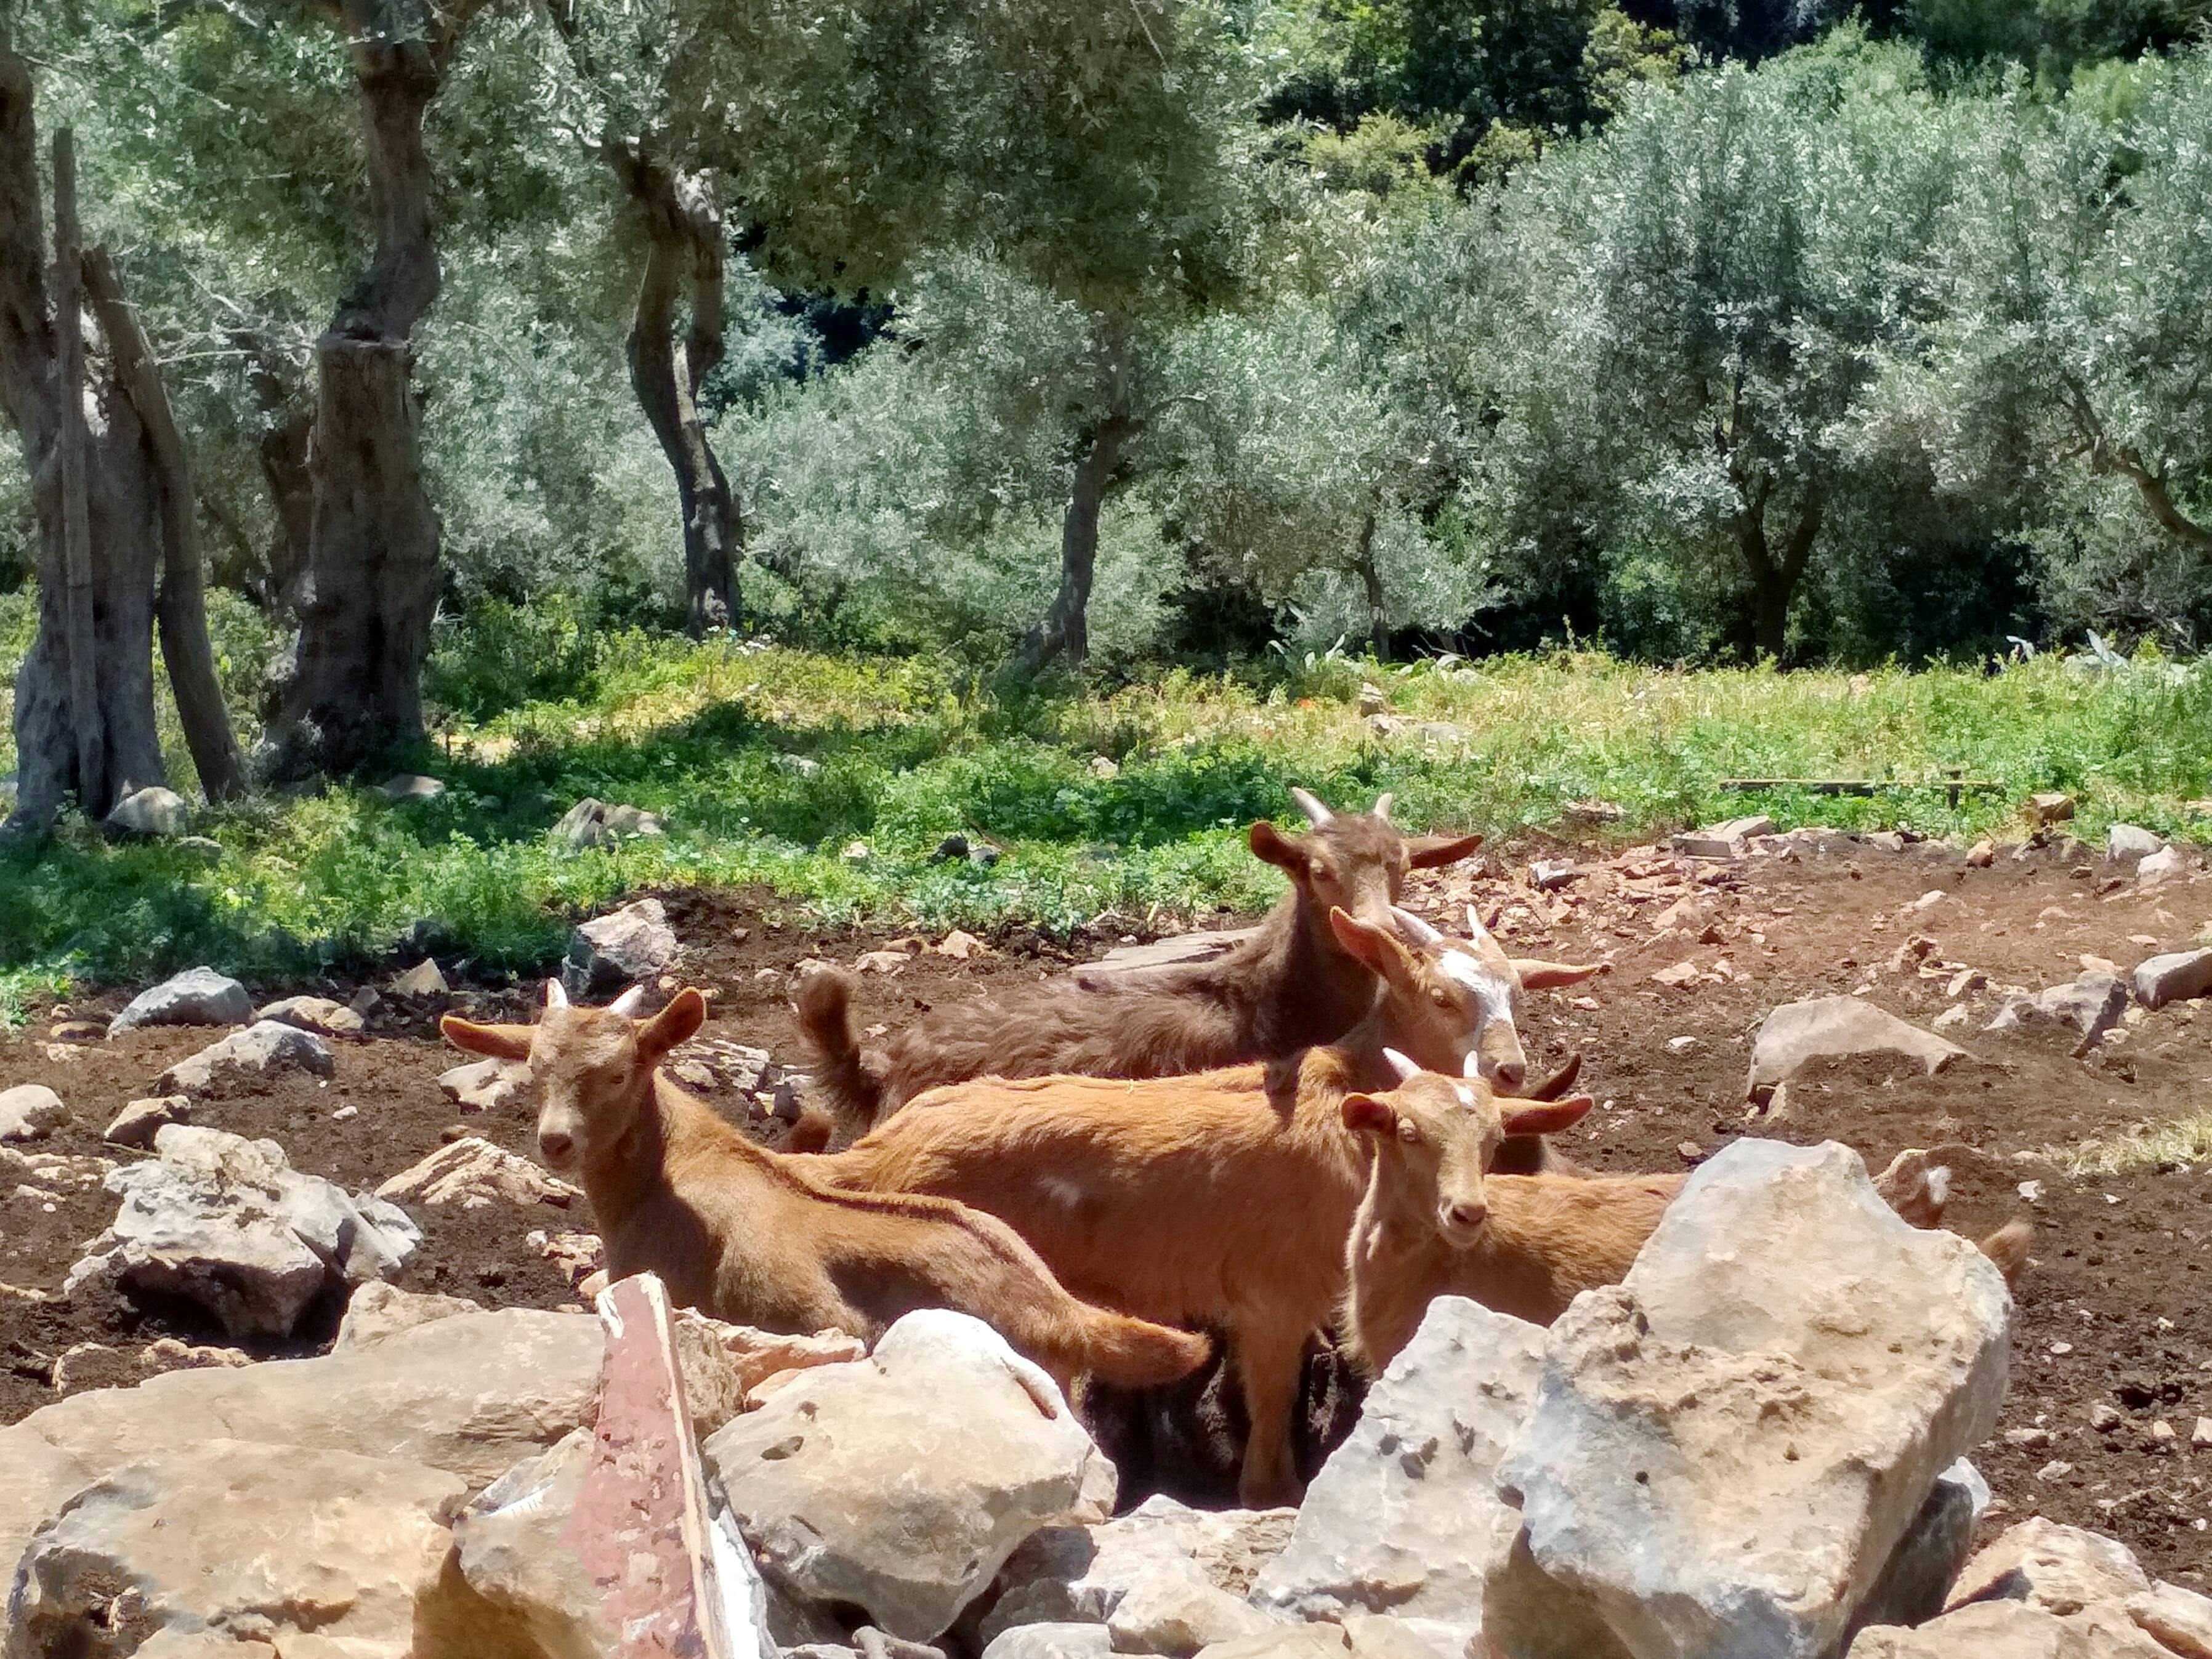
(486,1086)
(1723,841)
(2202,1435)
(632,943)
(2030,1191)
(2051,808)
(1103,766)
(2104,1417)
(2162,1431)
(1929,900)
(2060,1349)
(30,1111)
(471,1172)
(77,1030)
(958,945)
(2056,1469)
(2089,1006)
(409,786)
(880,962)
(1680,1045)
(592,823)
(318,1014)
(2174,977)
(423,980)
(855,851)
(137,1124)
(1682,973)
(1982,854)
(2162,865)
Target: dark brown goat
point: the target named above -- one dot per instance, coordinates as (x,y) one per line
(1289,986)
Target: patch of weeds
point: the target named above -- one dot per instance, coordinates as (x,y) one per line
(2164,1146)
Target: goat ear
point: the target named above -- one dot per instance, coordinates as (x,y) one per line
(1364,942)
(1365,1114)
(1538,976)
(1522,1117)
(1271,846)
(679,1021)
(500,1041)
(1434,851)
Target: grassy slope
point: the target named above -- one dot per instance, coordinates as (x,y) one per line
(716,737)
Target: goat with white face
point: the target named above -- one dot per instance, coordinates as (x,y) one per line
(1480,964)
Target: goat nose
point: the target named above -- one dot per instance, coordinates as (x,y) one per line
(1510,1074)
(1467,1216)
(556,1146)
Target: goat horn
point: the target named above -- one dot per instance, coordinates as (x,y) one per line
(1404,1068)
(1558,1083)
(1382,803)
(629,1002)
(1413,930)
(1316,814)
(555,998)
(1474,928)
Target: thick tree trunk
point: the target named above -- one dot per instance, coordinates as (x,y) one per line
(373,572)
(1064,630)
(683,250)
(285,450)
(92,735)
(1370,579)
(1774,576)
(180,608)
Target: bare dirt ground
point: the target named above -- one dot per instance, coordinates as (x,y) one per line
(2115,1310)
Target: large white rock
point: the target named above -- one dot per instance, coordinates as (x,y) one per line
(2058,1568)
(1794,1035)
(486,1086)
(199,996)
(2089,1006)
(471,1172)
(2012,1629)
(605,1544)
(2173,977)
(1057,1641)
(1727,1448)
(237,1539)
(632,943)
(2125,843)
(469,1395)
(264,1047)
(227,1222)
(1405,1517)
(2162,865)
(1079,1574)
(594,823)
(30,1111)
(154,813)
(902,1483)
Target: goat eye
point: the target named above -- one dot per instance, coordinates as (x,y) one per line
(1321,871)
(1441,997)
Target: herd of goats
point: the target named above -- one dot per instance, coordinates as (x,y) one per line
(1326,1127)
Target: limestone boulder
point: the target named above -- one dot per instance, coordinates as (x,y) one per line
(1060,1641)
(262,1049)
(320,1015)
(227,1222)
(2178,1619)
(469,1395)
(1723,841)
(409,786)
(1727,1448)
(594,823)
(471,1173)
(1081,1574)
(155,814)
(2012,1629)
(2127,843)
(900,1483)
(2165,865)
(377,1310)
(486,1086)
(1792,1037)
(2175,976)
(30,1111)
(141,1120)
(609,951)
(2087,1007)
(233,1537)
(1405,1517)
(2058,1568)
(199,996)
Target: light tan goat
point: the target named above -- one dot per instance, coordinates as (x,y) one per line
(746,1235)
(1207,1199)
(1436,1220)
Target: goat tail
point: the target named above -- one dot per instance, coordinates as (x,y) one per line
(1128,1353)
(2008,1247)
(823,1004)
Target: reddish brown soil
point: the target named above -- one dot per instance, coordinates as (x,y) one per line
(2122,1264)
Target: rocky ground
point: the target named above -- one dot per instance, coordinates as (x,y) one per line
(2111,1352)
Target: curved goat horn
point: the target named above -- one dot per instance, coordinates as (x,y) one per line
(1413,930)
(1553,1087)
(1404,1068)
(1382,803)
(555,998)
(1316,814)
(629,1002)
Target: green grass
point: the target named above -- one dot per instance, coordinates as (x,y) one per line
(903,751)
(2167,1146)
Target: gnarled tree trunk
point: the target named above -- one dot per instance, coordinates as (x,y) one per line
(373,575)
(683,257)
(1775,574)
(84,697)
(1064,629)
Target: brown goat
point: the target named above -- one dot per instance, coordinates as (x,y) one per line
(1206,1199)
(1285,987)
(744,1235)
(1437,1220)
